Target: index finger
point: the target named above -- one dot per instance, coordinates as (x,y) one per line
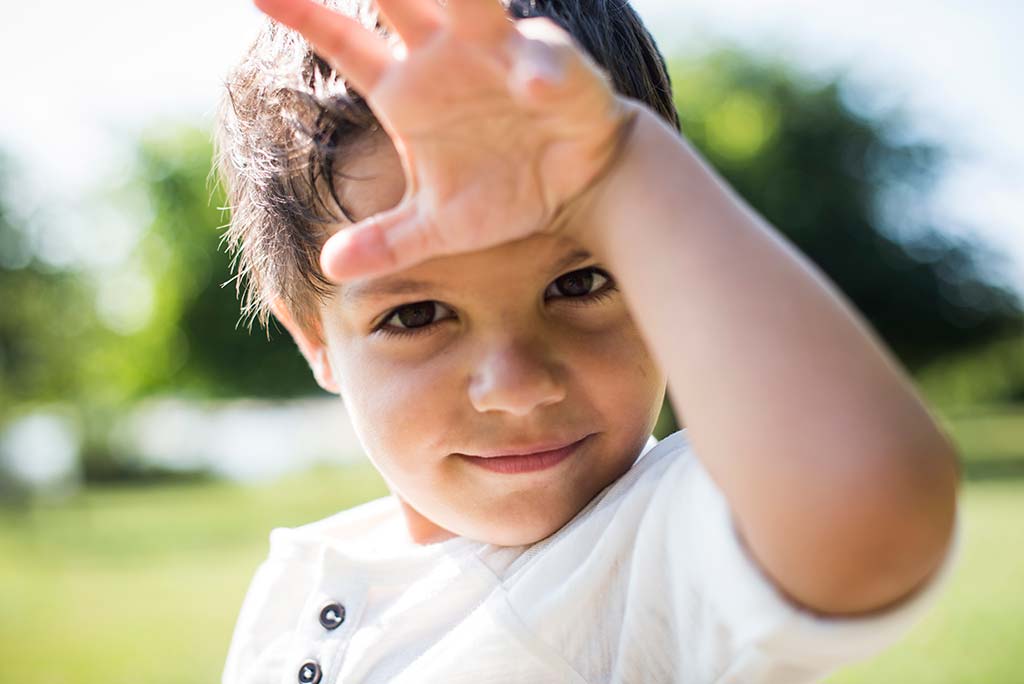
(358,53)
(486,19)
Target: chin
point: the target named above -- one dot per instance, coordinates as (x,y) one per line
(522,535)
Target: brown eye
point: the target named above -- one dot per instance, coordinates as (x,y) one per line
(411,318)
(579,283)
(415,315)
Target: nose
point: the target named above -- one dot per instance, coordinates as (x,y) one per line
(517,377)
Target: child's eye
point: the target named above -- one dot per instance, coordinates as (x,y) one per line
(578,285)
(410,318)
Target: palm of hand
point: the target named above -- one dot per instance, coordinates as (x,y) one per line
(491,148)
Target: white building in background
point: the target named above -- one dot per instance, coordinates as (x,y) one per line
(244,440)
(40,451)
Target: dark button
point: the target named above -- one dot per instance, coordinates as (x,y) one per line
(332,615)
(309,673)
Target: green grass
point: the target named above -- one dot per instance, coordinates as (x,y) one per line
(143,584)
(991,438)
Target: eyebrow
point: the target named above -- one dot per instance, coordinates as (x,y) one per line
(407,286)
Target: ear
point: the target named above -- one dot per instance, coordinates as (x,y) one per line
(312,348)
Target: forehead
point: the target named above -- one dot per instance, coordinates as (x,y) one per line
(371,177)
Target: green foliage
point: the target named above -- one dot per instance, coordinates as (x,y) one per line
(992,374)
(821,174)
(990,439)
(192,343)
(54,346)
(47,313)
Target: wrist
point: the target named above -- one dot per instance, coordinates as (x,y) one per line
(589,215)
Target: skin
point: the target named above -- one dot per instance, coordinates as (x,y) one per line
(511,359)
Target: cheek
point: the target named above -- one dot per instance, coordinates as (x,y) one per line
(620,375)
(394,405)
(616,356)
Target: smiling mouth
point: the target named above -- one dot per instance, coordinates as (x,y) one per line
(522,463)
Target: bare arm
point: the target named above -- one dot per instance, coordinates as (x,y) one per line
(842,485)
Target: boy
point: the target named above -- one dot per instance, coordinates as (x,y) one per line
(499,260)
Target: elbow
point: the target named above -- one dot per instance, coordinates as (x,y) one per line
(864,538)
(889,545)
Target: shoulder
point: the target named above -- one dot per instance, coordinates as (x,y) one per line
(364,527)
(282,583)
(660,467)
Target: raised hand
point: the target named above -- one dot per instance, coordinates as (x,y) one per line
(500,125)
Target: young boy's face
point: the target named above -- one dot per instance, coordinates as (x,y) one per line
(500,351)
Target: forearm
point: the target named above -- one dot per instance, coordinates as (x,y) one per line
(797,411)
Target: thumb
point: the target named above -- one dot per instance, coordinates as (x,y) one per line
(385,242)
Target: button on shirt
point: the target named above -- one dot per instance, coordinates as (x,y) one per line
(648,583)
(332,615)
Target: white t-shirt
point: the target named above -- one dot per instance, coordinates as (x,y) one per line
(648,583)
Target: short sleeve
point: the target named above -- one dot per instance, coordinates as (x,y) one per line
(769,633)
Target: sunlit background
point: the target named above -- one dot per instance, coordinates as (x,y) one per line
(148,445)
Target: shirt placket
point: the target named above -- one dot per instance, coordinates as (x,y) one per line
(329,618)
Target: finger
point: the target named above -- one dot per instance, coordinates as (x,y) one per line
(548,65)
(357,52)
(479,18)
(385,242)
(415,21)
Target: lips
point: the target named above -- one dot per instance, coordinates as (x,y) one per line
(526,450)
(504,462)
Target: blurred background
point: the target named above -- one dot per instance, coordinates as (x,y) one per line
(148,444)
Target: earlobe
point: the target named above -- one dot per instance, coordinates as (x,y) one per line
(323,371)
(313,350)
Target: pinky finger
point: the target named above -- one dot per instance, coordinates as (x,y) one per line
(358,53)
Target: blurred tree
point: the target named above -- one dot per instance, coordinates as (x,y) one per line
(191,342)
(46,313)
(989,375)
(825,177)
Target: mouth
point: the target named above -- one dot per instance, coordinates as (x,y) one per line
(504,462)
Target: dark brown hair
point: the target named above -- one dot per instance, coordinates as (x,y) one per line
(286,122)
